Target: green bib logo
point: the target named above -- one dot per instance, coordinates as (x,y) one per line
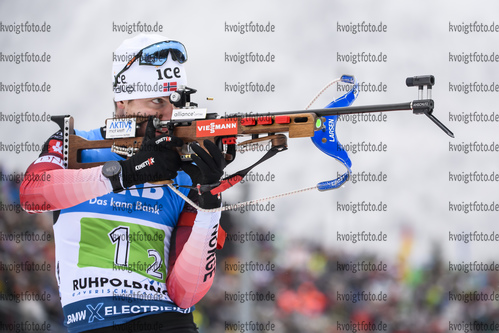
(122,246)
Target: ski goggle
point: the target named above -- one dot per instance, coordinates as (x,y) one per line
(156,55)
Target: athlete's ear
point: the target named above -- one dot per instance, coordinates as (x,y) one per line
(119,108)
(120,104)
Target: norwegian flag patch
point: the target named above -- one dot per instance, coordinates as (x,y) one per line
(169,86)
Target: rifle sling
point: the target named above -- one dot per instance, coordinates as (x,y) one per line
(235,178)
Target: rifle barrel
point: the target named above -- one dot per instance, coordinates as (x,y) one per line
(349,109)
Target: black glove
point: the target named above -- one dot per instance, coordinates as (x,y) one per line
(208,170)
(156,160)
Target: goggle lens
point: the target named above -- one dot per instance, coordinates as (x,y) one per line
(157,54)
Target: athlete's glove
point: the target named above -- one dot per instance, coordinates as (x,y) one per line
(156,160)
(207,171)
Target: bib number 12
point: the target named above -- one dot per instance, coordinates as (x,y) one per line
(120,236)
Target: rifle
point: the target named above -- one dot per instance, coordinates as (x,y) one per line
(194,124)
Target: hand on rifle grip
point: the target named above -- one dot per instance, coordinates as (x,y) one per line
(156,160)
(207,170)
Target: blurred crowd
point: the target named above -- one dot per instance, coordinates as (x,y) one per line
(29,297)
(314,294)
(302,290)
